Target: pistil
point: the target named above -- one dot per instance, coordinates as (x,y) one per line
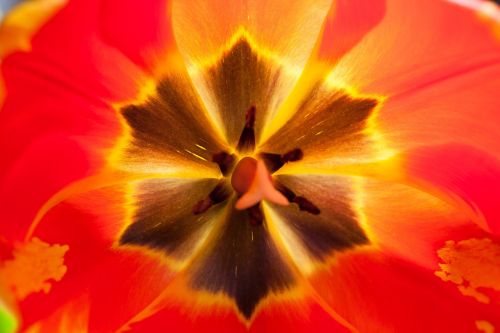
(253,181)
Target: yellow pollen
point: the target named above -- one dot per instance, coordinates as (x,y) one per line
(34,265)
(471,264)
(485,326)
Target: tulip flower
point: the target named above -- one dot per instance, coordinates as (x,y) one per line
(261,166)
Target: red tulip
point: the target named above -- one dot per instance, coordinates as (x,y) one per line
(232,166)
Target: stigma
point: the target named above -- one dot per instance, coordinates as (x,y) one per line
(254,183)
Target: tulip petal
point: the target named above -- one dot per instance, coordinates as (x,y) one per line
(337,124)
(461,108)
(252,55)
(164,220)
(66,102)
(289,316)
(375,291)
(92,297)
(347,23)
(380,196)
(168,129)
(467,175)
(242,77)
(24,20)
(70,145)
(97,219)
(408,222)
(386,61)
(288,29)
(142,32)
(440,84)
(242,263)
(319,236)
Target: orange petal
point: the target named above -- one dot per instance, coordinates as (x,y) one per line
(287,29)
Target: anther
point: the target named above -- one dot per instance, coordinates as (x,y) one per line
(292,156)
(303,203)
(246,144)
(274,162)
(219,194)
(306,205)
(225,162)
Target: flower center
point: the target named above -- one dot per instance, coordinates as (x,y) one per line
(252,179)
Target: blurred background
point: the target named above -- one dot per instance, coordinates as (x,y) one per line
(5,5)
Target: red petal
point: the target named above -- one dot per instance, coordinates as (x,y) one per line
(43,168)
(176,318)
(139,30)
(57,122)
(465,174)
(118,283)
(295,316)
(347,24)
(377,293)
(417,42)
(306,317)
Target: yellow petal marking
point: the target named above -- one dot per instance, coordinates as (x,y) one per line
(471,264)
(34,266)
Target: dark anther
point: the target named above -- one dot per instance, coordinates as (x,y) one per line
(225,162)
(293,155)
(274,162)
(306,205)
(302,202)
(250,117)
(202,206)
(247,138)
(219,194)
(286,192)
(255,215)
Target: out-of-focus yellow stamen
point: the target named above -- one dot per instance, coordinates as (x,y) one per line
(34,266)
(471,264)
(485,326)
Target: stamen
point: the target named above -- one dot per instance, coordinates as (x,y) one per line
(274,162)
(293,155)
(202,206)
(225,162)
(306,205)
(219,194)
(246,144)
(303,203)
